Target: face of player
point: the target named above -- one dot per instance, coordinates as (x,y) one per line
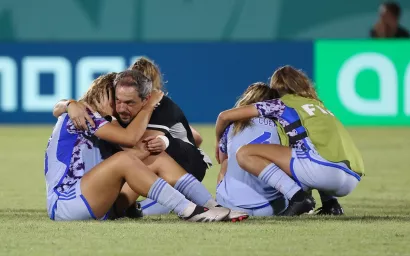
(128,103)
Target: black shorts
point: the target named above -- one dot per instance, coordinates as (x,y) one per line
(188,157)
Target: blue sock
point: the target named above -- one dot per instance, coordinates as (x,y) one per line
(325,197)
(166,195)
(195,191)
(278,179)
(151,207)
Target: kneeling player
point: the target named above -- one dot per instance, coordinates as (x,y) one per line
(238,189)
(323,155)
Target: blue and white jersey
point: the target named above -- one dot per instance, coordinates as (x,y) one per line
(261,131)
(69,155)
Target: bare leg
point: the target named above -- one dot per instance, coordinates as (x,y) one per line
(102,184)
(169,170)
(162,165)
(165,167)
(271,164)
(255,157)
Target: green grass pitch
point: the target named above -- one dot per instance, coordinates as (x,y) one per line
(377,220)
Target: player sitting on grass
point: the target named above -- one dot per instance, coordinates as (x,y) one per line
(238,189)
(81,185)
(168,119)
(130,98)
(322,156)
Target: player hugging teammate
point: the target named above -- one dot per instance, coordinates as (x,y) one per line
(316,151)
(280,144)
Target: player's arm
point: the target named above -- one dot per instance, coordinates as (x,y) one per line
(77,111)
(156,141)
(236,114)
(269,108)
(224,166)
(60,108)
(135,130)
(197,137)
(157,137)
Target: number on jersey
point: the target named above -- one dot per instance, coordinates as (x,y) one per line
(262,139)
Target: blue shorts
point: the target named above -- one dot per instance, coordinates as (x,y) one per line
(236,195)
(72,205)
(311,171)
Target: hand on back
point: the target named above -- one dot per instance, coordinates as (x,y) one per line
(77,111)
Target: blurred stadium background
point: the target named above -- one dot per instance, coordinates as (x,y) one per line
(209,52)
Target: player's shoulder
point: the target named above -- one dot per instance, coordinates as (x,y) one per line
(168,107)
(166,100)
(169,103)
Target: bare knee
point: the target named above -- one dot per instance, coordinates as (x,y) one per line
(242,156)
(127,159)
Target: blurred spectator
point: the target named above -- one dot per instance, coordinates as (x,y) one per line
(388,24)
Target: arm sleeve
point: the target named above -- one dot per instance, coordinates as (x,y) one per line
(270,108)
(223,142)
(99,122)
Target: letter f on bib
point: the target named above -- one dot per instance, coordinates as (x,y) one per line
(309,108)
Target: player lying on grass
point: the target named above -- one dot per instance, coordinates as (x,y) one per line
(238,189)
(81,185)
(130,98)
(322,156)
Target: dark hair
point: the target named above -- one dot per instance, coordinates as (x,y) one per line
(393,8)
(141,83)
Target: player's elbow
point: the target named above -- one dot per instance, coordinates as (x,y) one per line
(56,110)
(55,113)
(198,140)
(131,141)
(222,116)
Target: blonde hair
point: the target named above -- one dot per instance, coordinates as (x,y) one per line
(256,92)
(102,85)
(150,70)
(288,80)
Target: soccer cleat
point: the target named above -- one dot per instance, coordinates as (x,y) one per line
(134,211)
(299,204)
(236,216)
(202,214)
(331,207)
(312,211)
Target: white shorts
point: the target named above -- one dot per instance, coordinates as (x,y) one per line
(72,205)
(311,171)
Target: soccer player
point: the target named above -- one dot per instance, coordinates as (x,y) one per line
(322,156)
(82,186)
(237,188)
(128,101)
(168,119)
